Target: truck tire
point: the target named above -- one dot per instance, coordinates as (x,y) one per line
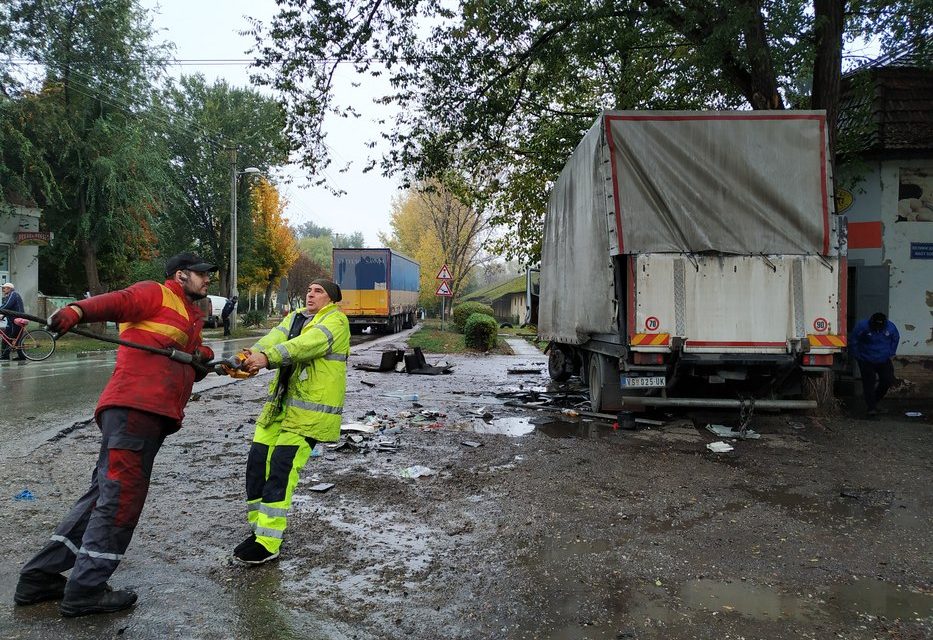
(559,363)
(602,374)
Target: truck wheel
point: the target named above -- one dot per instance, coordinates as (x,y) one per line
(595,380)
(559,364)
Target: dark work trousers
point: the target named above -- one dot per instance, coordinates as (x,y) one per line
(226,321)
(877,378)
(11,331)
(95,534)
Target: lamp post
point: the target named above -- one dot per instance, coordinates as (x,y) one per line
(233,241)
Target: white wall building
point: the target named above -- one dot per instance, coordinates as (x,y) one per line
(19,252)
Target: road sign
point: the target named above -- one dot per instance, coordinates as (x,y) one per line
(443,274)
(444,290)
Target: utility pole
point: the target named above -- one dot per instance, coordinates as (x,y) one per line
(233,240)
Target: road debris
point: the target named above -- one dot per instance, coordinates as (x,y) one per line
(727,432)
(416,471)
(719,447)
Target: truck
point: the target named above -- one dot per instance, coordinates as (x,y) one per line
(380,288)
(694,259)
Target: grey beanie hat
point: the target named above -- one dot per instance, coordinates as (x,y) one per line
(330,287)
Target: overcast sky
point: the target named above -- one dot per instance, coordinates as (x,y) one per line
(203,30)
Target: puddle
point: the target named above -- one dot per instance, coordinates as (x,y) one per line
(751,601)
(522,426)
(872,505)
(512,426)
(866,597)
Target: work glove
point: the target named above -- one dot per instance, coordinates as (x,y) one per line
(63,320)
(233,369)
(199,359)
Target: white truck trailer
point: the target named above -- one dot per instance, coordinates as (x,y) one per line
(693,259)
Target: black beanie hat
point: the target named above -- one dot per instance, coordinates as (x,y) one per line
(330,287)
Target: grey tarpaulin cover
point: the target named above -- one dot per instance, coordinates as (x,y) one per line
(737,182)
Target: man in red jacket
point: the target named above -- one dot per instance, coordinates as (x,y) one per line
(143,402)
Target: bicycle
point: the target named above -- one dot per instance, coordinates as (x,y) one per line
(35,344)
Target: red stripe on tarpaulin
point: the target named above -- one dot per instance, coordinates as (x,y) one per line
(631,298)
(726,116)
(615,186)
(823,143)
(865,235)
(843,296)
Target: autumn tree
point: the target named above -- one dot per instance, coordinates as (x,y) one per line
(509,86)
(205,122)
(273,250)
(434,225)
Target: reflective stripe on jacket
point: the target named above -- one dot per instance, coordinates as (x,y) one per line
(313,401)
(158,315)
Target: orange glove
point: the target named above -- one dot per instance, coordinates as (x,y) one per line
(234,369)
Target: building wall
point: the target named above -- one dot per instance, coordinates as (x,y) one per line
(891,239)
(20,264)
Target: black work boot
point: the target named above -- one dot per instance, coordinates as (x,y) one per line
(37,586)
(102,600)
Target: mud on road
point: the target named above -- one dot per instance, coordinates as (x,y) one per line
(555,527)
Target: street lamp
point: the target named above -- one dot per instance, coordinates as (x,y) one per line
(233,257)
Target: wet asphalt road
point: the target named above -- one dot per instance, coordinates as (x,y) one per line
(39,399)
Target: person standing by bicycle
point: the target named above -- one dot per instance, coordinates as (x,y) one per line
(142,404)
(12,301)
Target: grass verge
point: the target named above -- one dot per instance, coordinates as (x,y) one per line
(432,340)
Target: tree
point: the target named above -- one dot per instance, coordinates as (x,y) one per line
(435,226)
(96,167)
(303,271)
(203,122)
(274,249)
(509,86)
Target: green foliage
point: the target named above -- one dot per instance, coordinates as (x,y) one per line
(480,331)
(502,90)
(254,318)
(465,309)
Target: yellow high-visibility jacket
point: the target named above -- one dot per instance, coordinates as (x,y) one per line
(313,402)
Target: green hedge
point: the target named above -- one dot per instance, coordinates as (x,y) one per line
(480,331)
(465,310)
(254,318)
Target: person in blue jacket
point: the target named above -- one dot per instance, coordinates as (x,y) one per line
(14,302)
(873,343)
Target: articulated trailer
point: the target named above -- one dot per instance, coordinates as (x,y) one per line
(693,259)
(380,288)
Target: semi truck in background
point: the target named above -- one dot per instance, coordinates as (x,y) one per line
(694,259)
(380,288)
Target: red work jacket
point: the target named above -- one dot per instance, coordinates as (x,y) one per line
(156,315)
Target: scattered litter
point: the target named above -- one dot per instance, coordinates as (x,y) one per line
(358,427)
(416,471)
(719,447)
(484,413)
(368,383)
(356,438)
(321,487)
(728,432)
(913,414)
(317,450)
(24,496)
(571,413)
(523,370)
(398,361)
(471,443)
(796,425)
(402,396)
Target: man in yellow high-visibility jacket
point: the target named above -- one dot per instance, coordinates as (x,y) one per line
(309,348)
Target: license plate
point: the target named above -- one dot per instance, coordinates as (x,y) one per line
(642,382)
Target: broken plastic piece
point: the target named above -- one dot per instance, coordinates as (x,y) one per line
(24,496)
(471,443)
(358,427)
(719,447)
(321,487)
(727,432)
(913,414)
(416,471)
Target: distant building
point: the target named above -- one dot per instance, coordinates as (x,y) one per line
(885,190)
(19,250)
(508,299)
